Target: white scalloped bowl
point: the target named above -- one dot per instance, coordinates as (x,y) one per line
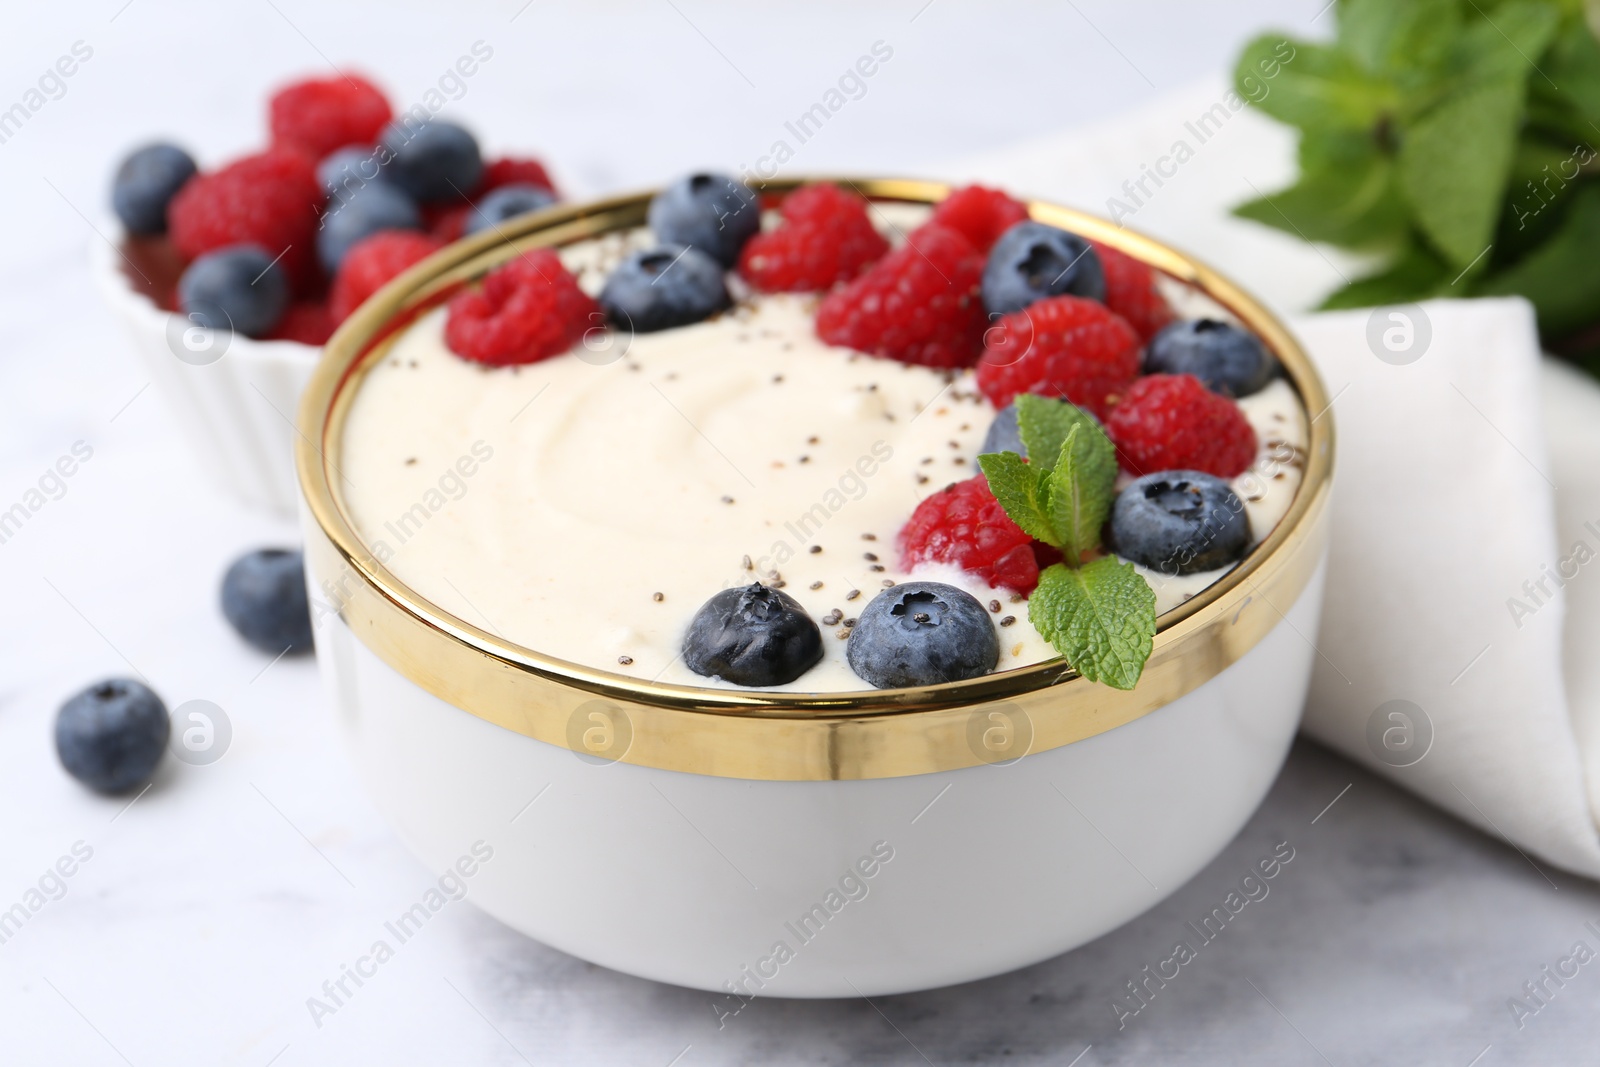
(237,411)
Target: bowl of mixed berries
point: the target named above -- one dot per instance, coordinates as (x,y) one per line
(230,279)
(890,583)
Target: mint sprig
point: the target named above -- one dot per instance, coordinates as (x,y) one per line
(1099,613)
(1457,139)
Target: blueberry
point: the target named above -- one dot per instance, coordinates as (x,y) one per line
(145,183)
(434,160)
(111,736)
(234,288)
(1031,261)
(264,597)
(1179,522)
(344,171)
(377,206)
(752,635)
(712,212)
(1228,360)
(507,202)
(1004,435)
(922,633)
(672,285)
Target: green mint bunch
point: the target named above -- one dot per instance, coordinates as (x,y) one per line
(1460,139)
(1098,612)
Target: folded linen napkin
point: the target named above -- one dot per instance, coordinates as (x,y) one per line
(1455,654)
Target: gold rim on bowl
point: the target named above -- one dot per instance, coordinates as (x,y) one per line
(607,717)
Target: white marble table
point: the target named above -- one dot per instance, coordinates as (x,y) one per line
(212,908)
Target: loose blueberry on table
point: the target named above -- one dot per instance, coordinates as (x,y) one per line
(111,736)
(264,599)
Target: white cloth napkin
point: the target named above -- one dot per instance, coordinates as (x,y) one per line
(1449,658)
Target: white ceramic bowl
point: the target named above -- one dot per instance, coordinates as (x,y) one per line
(752,844)
(235,398)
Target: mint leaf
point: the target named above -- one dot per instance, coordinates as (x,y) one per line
(1416,275)
(1504,41)
(1454,165)
(1559,276)
(1573,63)
(1314,86)
(1540,192)
(1082,486)
(1020,489)
(1460,137)
(1044,424)
(1399,38)
(1356,204)
(1101,618)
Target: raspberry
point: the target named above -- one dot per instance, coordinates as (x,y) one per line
(1131,292)
(446,221)
(826,237)
(372,262)
(965,525)
(1060,346)
(1173,422)
(981,214)
(270,199)
(308,322)
(918,304)
(318,115)
(511,171)
(527,310)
